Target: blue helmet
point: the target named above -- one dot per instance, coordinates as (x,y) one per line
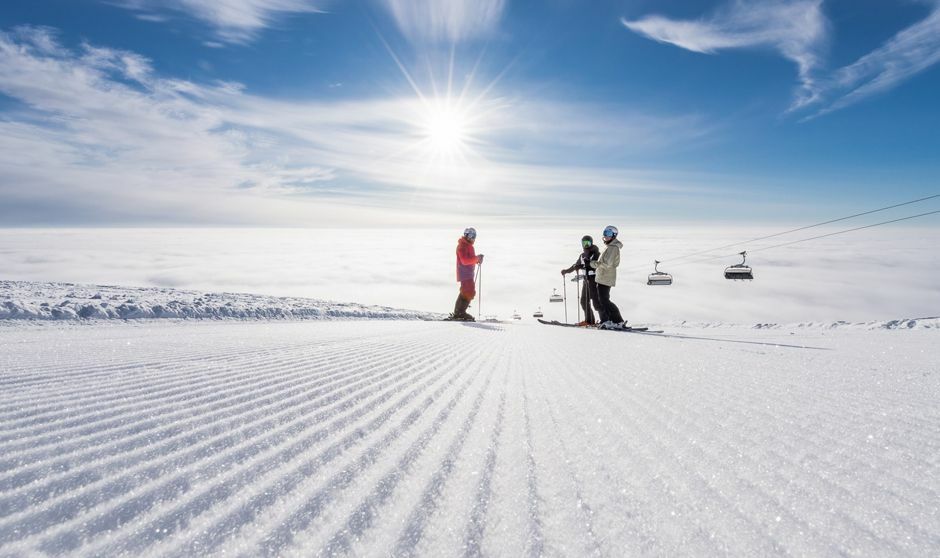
(470,233)
(610,231)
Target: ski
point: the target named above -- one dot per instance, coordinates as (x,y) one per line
(557,323)
(627,329)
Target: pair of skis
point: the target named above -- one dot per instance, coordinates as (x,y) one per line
(627,329)
(660,333)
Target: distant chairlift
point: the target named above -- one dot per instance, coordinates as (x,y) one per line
(515,315)
(740,271)
(538,313)
(556,297)
(659,277)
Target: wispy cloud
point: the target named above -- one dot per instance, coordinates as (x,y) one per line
(798,30)
(908,53)
(233,21)
(100,136)
(98,129)
(452,20)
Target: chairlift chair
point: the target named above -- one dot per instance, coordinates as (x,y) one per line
(538,313)
(556,297)
(516,316)
(659,277)
(740,271)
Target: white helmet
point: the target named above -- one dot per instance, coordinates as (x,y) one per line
(470,233)
(610,232)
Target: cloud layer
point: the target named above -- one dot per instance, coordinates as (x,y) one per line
(799,31)
(869,275)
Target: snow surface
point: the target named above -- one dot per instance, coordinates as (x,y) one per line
(29,300)
(375,438)
(932,322)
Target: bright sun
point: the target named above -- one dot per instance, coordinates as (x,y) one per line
(446,130)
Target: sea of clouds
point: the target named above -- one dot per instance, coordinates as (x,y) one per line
(878,274)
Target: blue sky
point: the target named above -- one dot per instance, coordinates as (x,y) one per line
(316,113)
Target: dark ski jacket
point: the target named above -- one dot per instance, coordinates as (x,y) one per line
(584,261)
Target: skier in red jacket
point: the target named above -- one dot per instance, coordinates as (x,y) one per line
(467,258)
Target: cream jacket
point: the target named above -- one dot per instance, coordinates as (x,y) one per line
(606,266)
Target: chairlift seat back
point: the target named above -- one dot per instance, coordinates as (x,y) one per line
(739,272)
(659,279)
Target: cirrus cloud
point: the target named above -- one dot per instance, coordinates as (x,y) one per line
(796,29)
(799,31)
(453,20)
(233,21)
(909,52)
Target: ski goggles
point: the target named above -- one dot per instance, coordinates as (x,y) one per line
(586,243)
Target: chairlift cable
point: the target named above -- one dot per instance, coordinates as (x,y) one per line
(847,231)
(800,229)
(814,237)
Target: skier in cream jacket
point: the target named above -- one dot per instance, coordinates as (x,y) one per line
(606,267)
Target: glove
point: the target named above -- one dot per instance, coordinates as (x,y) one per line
(479,258)
(564,271)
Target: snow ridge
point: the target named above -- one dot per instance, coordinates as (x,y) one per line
(25,300)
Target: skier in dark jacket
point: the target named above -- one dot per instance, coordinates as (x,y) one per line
(589,253)
(467,259)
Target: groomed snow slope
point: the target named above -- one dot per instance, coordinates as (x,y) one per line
(446,439)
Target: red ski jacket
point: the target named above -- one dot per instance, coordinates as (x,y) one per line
(466,259)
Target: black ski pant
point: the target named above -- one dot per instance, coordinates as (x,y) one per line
(608,310)
(461,305)
(468,291)
(589,295)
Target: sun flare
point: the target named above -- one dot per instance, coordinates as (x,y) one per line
(446,130)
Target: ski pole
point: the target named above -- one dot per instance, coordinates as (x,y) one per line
(564,289)
(578,277)
(480,272)
(476,281)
